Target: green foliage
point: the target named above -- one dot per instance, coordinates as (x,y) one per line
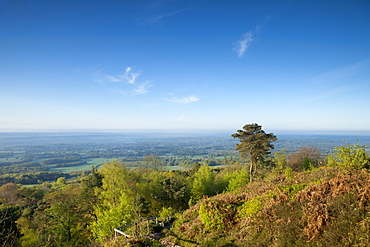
(152,242)
(307,164)
(175,192)
(68,216)
(61,160)
(150,187)
(141,207)
(116,207)
(288,172)
(293,189)
(61,180)
(203,184)
(351,157)
(8,229)
(250,207)
(94,179)
(26,167)
(60,219)
(280,159)
(152,161)
(166,213)
(31,178)
(237,179)
(110,216)
(213,215)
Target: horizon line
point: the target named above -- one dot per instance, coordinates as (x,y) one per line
(191,131)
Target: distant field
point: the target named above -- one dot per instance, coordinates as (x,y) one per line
(90,163)
(99,161)
(30,185)
(174,168)
(72,168)
(12,157)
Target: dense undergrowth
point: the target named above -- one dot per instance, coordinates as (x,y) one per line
(327,206)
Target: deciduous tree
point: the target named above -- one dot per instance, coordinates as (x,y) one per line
(304,158)
(117,199)
(203,184)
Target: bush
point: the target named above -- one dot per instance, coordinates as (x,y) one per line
(349,157)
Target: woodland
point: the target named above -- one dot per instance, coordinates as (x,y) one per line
(286,198)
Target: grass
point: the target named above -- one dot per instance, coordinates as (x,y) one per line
(30,185)
(72,168)
(174,168)
(90,163)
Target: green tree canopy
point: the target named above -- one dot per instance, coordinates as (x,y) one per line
(203,184)
(255,145)
(351,156)
(117,199)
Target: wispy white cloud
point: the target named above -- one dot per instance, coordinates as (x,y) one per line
(127,83)
(244,43)
(339,76)
(184,100)
(113,79)
(159,16)
(343,72)
(153,12)
(143,88)
(329,93)
(247,39)
(128,76)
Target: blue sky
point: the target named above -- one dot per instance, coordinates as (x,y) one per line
(185,65)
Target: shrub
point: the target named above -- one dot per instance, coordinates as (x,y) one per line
(350,157)
(250,207)
(215,215)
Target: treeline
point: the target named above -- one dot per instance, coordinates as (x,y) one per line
(77,163)
(153,161)
(25,164)
(32,178)
(61,160)
(27,167)
(6,155)
(44,155)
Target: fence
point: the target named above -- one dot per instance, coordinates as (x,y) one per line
(117,231)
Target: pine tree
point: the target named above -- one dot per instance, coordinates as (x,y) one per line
(255,145)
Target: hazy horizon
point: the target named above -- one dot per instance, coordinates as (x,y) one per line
(194,131)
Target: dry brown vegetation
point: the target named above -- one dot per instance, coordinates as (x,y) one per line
(323,207)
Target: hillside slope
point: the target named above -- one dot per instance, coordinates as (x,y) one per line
(323,207)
